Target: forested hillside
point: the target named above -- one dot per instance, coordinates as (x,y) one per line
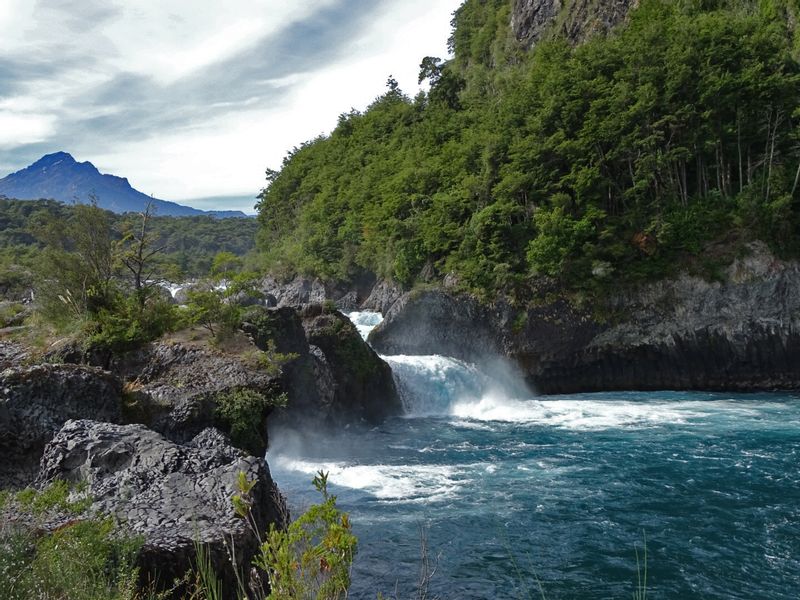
(189,243)
(616,160)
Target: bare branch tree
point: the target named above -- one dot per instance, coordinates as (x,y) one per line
(138,257)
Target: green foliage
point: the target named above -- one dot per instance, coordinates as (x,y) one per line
(208,309)
(206,585)
(125,325)
(243,412)
(189,244)
(84,559)
(313,557)
(225,264)
(599,164)
(54,497)
(81,561)
(270,360)
(10,312)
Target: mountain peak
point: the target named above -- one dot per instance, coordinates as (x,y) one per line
(60,177)
(51,159)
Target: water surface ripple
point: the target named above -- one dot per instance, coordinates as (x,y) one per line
(563,489)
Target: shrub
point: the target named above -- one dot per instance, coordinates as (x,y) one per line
(243,412)
(313,557)
(208,309)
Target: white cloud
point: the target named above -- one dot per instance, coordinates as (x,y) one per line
(225,152)
(170,40)
(229,155)
(21,128)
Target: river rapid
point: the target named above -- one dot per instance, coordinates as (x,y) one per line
(519,496)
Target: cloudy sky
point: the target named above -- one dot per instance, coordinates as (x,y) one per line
(192,101)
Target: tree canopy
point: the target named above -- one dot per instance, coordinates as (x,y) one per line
(606,161)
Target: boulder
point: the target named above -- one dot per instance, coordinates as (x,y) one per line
(383,295)
(332,376)
(364,388)
(297,292)
(174,496)
(348,302)
(36,401)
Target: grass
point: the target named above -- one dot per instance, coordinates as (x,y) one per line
(80,559)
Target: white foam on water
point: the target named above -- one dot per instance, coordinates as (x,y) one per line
(365,321)
(406,483)
(578,414)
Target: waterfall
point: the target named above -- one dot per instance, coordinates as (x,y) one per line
(440,385)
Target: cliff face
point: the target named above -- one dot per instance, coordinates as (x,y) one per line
(576,20)
(742,333)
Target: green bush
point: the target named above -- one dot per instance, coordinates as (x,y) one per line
(243,412)
(313,557)
(209,310)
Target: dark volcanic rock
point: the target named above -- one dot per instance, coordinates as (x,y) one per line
(12,354)
(364,386)
(457,326)
(36,401)
(331,375)
(172,495)
(686,333)
(297,292)
(382,297)
(178,389)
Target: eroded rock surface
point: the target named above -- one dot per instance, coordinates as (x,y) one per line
(174,495)
(742,333)
(363,384)
(576,21)
(12,354)
(179,388)
(332,376)
(36,401)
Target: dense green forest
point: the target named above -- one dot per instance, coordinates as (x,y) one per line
(189,243)
(613,161)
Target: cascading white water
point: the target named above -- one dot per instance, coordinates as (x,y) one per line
(365,321)
(434,385)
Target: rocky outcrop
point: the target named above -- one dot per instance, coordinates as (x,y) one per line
(297,292)
(363,384)
(173,495)
(177,390)
(361,292)
(742,333)
(331,375)
(451,325)
(533,20)
(382,297)
(36,401)
(12,354)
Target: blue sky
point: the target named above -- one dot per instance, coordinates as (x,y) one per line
(192,101)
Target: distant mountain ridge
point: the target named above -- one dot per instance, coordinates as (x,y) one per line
(60,177)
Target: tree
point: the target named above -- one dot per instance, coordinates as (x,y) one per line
(225,264)
(137,251)
(77,266)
